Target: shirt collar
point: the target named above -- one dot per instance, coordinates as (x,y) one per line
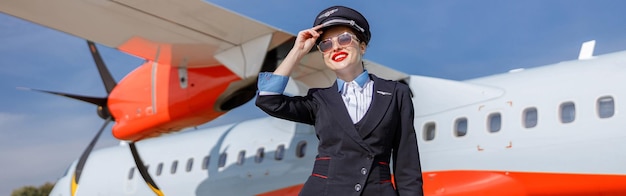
(361,80)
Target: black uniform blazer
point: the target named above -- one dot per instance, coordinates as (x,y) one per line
(353,159)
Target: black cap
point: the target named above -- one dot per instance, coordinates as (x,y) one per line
(341,15)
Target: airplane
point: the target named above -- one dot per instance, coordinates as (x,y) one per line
(507,134)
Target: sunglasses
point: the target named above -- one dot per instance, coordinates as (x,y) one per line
(344,39)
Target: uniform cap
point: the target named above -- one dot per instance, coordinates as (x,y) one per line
(341,15)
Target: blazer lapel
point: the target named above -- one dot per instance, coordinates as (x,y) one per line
(343,118)
(381,98)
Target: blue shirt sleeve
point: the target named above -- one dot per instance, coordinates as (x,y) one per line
(271,84)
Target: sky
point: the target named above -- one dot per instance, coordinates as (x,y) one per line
(41,134)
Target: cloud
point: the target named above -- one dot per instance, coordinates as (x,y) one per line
(37,147)
(38,163)
(7,120)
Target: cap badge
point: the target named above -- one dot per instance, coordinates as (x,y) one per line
(328,13)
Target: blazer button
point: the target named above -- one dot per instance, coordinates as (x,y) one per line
(363,171)
(357,187)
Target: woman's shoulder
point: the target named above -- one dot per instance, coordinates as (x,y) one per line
(313,91)
(397,84)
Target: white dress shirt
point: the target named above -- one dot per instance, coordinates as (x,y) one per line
(357,95)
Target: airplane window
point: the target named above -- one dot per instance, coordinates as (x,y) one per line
(495,122)
(205,162)
(159,169)
(568,112)
(460,127)
(131,173)
(260,153)
(530,117)
(429,131)
(280,152)
(301,149)
(241,157)
(174,165)
(189,164)
(606,107)
(222,161)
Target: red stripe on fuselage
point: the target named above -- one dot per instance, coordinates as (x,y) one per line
(481,183)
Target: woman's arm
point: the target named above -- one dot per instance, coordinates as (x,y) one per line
(407,167)
(272,85)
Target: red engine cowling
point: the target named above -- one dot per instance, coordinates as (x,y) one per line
(155,99)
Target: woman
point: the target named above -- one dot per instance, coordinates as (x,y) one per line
(362,121)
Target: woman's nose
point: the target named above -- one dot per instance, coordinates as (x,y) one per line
(336,45)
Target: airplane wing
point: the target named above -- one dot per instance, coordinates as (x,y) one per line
(180,33)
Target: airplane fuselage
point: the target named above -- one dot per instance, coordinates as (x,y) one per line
(553,130)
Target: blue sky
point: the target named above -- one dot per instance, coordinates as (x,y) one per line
(40,134)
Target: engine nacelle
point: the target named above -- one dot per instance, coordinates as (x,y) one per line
(155,99)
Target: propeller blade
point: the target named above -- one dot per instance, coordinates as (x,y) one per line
(83,158)
(143,171)
(94,100)
(107,79)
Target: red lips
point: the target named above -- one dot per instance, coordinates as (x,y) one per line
(339,56)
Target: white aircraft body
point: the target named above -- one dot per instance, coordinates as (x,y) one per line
(551,130)
(249,152)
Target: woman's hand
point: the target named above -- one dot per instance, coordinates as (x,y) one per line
(305,40)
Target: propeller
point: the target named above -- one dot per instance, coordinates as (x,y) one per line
(104,113)
(143,171)
(83,158)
